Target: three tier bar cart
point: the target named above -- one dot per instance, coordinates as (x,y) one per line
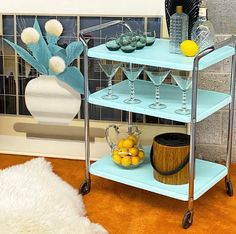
(202,174)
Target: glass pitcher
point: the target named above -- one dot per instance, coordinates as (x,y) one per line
(124,141)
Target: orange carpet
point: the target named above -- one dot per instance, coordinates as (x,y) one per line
(126,210)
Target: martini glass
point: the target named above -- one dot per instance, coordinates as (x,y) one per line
(185,83)
(109,68)
(157,77)
(132,71)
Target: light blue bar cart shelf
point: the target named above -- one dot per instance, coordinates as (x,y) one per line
(158,55)
(207,175)
(171,95)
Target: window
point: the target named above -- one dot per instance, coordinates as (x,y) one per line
(15,73)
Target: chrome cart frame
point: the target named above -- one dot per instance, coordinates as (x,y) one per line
(188,216)
(86,185)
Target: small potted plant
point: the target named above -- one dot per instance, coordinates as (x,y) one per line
(53,97)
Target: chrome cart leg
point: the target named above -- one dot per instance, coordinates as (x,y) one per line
(188,216)
(228,183)
(130,116)
(86,185)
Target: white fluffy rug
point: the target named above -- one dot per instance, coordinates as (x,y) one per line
(33,200)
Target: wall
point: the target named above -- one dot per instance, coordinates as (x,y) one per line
(212,132)
(11,141)
(88,7)
(123,7)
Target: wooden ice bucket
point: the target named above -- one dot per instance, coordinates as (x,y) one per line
(170,158)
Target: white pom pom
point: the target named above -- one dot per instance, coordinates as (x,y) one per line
(30,36)
(57,64)
(53,27)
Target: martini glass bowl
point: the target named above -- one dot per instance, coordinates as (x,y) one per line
(184,83)
(157,76)
(109,68)
(132,72)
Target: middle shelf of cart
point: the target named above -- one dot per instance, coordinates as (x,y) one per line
(207,174)
(208,101)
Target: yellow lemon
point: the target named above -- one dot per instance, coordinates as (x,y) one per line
(133,138)
(116,158)
(189,48)
(123,152)
(115,152)
(135,160)
(133,151)
(126,161)
(128,143)
(141,154)
(120,143)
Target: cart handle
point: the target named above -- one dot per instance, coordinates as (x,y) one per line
(171,172)
(105,25)
(219,45)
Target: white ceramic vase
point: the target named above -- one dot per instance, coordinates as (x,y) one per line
(51,101)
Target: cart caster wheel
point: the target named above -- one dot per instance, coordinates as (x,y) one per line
(187,219)
(229,187)
(84,188)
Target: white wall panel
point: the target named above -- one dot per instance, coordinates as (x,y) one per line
(82,7)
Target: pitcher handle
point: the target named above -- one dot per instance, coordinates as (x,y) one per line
(108,139)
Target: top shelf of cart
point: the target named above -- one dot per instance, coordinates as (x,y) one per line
(158,55)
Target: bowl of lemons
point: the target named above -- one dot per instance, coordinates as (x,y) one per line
(126,149)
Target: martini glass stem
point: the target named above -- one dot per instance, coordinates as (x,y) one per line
(132,92)
(184,104)
(157,95)
(109,86)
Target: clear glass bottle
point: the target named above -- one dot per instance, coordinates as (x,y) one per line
(178,29)
(203,32)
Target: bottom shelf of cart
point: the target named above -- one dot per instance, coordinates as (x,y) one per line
(207,175)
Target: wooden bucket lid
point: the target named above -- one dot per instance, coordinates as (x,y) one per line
(172,139)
